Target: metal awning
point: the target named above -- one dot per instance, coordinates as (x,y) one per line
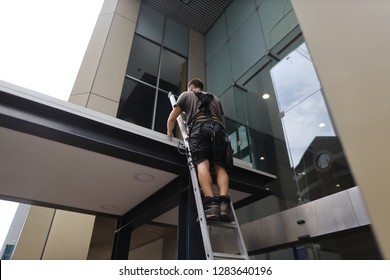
(61,155)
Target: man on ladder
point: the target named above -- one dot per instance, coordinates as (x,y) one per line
(208,143)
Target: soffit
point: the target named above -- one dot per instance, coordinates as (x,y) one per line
(44,172)
(199,15)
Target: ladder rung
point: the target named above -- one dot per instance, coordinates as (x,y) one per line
(222,224)
(225,256)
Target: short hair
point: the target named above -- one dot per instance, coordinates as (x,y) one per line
(196,83)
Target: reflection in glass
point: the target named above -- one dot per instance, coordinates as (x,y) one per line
(143,61)
(357,245)
(301,125)
(137,103)
(252,146)
(315,152)
(153,70)
(150,23)
(294,78)
(176,37)
(173,72)
(163,109)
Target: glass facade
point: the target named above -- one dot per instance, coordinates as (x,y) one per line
(257,62)
(276,114)
(275,111)
(157,65)
(315,153)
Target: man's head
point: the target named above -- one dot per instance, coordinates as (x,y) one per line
(195,84)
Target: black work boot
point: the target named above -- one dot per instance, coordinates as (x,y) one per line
(211,208)
(225,210)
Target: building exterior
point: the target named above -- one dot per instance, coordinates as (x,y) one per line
(295,193)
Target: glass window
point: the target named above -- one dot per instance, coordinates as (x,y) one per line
(219,73)
(137,103)
(237,13)
(150,24)
(176,37)
(295,78)
(277,19)
(316,155)
(215,38)
(228,105)
(173,72)
(143,61)
(242,53)
(163,109)
(153,70)
(310,117)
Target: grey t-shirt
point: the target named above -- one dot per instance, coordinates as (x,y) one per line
(189,103)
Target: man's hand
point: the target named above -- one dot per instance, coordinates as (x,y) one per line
(172,120)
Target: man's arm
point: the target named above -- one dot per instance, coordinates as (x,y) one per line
(172,119)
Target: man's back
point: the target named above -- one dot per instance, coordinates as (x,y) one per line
(194,107)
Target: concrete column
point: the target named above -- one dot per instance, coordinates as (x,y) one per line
(69,237)
(100,79)
(32,239)
(349,44)
(50,234)
(196,57)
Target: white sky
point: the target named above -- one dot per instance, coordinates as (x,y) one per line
(42,45)
(299,96)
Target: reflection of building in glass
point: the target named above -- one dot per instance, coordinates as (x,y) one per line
(323,169)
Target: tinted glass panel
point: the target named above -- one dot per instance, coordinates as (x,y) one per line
(176,37)
(150,24)
(163,109)
(295,78)
(357,244)
(143,62)
(137,103)
(173,72)
(315,152)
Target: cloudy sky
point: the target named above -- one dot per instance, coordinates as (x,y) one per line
(299,96)
(42,45)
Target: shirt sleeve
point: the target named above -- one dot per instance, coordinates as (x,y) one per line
(182,101)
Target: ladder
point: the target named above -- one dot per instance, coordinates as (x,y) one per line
(205,225)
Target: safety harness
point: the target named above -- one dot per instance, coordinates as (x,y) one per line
(204,107)
(207,118)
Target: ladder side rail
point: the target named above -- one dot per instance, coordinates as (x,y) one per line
(239,237)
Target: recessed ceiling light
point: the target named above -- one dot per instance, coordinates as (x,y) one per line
(144,177)
(266,96)
(321,124)
(109,207)
(262,158)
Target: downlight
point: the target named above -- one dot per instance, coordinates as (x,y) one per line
(144,177)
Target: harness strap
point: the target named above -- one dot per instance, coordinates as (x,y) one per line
(204,119)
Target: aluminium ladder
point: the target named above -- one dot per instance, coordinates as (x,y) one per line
(205,224)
